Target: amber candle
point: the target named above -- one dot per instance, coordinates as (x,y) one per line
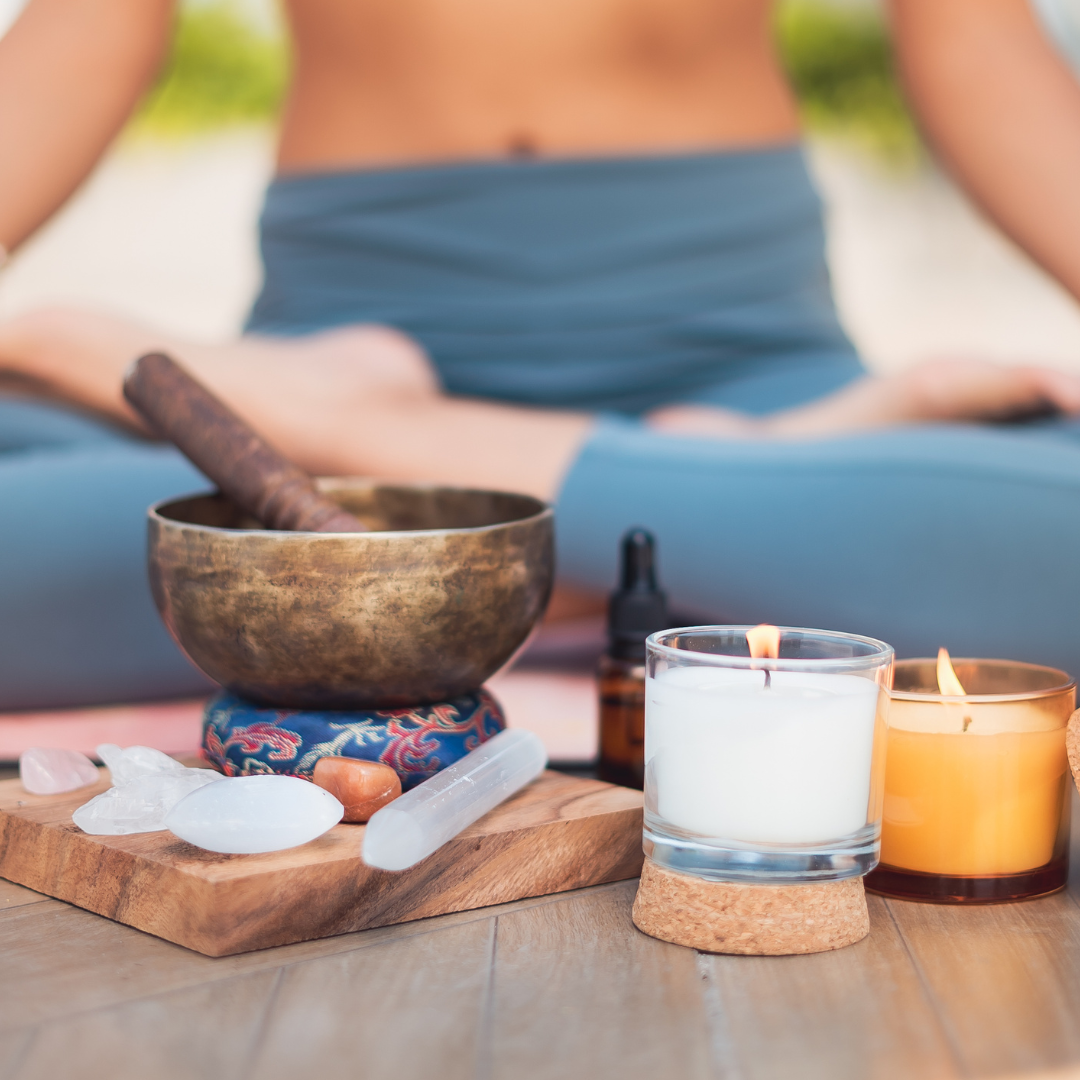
(976,782)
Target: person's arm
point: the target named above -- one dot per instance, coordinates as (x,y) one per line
(1002,109)
(71,71)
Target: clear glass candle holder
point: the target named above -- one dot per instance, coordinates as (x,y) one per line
(765,770)
(977,787)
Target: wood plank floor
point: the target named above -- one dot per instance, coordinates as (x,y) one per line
(557,988)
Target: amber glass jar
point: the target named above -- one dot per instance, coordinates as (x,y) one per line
(622,721)
(637,609)
(977,787)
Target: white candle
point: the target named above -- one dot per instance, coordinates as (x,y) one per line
(734,760)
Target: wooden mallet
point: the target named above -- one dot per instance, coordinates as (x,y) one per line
(258,479)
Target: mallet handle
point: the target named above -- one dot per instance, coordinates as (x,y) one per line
(245,467)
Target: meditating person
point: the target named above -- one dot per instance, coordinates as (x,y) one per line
(567,247)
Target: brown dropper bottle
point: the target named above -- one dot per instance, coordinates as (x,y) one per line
(637,609)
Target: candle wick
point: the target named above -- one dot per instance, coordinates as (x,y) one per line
(768,681)
(967,722)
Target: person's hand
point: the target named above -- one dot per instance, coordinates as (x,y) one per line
(707,421)
(939,391)
(960,389)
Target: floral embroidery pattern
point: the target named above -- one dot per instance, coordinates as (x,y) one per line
(240,738)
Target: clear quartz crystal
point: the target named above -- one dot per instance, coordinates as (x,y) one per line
(135,761)
(48,771)
(147,784)
(252,814)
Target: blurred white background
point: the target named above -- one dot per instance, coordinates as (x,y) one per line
(8,10)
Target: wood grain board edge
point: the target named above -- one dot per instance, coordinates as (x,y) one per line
(160,885)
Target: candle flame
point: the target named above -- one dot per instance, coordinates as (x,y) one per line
(764,641)
(948,683)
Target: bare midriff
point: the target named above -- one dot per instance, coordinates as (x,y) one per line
(379,83)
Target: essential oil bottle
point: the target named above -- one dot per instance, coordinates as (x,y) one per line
(637,609)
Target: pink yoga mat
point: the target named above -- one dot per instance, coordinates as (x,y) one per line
(560,707)
(174,726)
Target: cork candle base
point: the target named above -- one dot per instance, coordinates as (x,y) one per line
(750,920)
(1072,746)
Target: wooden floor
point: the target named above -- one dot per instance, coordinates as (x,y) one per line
(559,988)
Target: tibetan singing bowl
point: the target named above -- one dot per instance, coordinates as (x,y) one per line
(425,607)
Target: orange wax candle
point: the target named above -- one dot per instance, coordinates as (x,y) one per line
(969,803)
(976,786)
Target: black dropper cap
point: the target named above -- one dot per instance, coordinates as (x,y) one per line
(637,608)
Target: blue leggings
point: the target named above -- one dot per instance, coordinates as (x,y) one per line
(613,286)
(956,536)
(77,623)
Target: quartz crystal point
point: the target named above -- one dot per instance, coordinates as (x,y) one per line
(252,814)
(45,771)
(422,820)
(135,761)
(147,784)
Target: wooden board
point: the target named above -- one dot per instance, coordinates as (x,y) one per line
(560,833)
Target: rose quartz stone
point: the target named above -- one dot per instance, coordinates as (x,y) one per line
(46,771)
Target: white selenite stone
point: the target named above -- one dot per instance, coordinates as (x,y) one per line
(251,814)
(419,822)
(46,771)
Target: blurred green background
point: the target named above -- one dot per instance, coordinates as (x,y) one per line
(840,61)
(228,67)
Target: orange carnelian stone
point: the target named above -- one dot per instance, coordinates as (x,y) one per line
(362,787)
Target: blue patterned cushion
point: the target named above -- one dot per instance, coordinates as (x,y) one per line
(240,738)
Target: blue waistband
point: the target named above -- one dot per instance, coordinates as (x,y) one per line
(613,283)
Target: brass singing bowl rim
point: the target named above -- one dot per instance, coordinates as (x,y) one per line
(336,484)
(423,611)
